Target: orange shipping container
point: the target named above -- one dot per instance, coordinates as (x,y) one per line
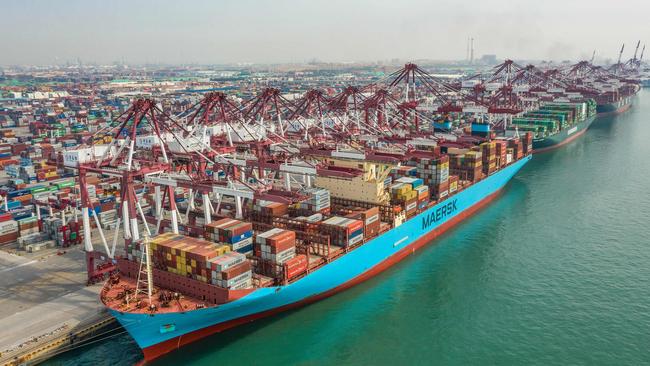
(23,198)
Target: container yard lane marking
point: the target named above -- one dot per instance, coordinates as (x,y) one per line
(400,241)
(18,266)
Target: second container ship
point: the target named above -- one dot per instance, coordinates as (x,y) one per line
(617,100)
(555,124)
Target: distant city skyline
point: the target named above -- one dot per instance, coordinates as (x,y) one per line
(39,32)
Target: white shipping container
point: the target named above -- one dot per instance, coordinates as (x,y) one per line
(243,285)
(243,243)
(281,257)
(261,238)
(147,142)
(235,281)
(73,158)
(8,225)
(355,240)
(225,261)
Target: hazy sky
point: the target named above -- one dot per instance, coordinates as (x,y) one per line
(175,31)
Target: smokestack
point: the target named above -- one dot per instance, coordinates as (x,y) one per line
(471,55)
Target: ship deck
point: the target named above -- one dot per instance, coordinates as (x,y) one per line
(114,296)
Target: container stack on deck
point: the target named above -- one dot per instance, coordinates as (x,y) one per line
(343,231)
(236,233)
(231,270)
(553,117)
(467,165)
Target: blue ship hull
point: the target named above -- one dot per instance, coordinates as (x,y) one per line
(163,332)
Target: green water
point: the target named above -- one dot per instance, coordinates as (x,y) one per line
(556,271)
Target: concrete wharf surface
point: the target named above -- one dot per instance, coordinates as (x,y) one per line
(45,305)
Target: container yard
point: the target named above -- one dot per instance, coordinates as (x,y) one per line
(192,207)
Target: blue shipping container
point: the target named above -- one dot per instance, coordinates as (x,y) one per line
(241,237)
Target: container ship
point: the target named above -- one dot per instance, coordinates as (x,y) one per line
(555,124)
(617,98)
(363,212)
(620,105)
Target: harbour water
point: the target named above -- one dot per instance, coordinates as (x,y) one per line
(556,271)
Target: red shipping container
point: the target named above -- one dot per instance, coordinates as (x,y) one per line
(283,239)
(5,217)
(281,247)
(7,238)
(16,149)
(296,266)
(236,270)
(354,226)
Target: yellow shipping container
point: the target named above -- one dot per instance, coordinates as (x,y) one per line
(222,249)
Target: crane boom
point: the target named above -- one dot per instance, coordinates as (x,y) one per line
(620,54)
(641,57)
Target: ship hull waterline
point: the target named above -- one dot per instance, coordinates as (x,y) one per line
(342,273)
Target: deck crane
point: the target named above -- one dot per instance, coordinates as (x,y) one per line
(309,113)
(641,57)
(479,101)
(618,67)
(244,173)
(269,108)
(347,102)
(443,95)
(123,158)
(633,64)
